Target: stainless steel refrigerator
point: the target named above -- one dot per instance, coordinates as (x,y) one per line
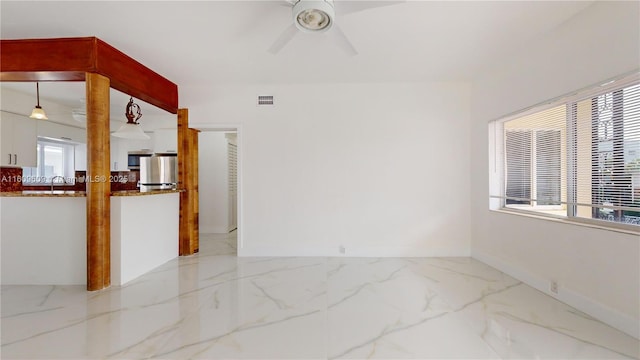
(159,172)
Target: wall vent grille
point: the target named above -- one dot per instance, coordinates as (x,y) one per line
(265,99)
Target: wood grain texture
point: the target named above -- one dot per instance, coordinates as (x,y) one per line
(133,78)
(69,59)
(185,231)
(98,186)
(193,190)
(48,55)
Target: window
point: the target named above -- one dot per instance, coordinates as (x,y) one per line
(533,166)
(54,158)
(577,158)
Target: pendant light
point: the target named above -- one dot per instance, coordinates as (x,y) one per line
(37,112)
(132,129)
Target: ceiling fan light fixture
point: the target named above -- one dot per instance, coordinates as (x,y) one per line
(313,19)
(314,15)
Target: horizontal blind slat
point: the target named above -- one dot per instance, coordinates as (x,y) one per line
(588,148)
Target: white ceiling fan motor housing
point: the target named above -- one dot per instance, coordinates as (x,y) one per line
(314,16)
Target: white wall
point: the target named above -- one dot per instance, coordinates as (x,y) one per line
(213,186)
(380,169)
(597,270)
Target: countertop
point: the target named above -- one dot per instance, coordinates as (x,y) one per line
(63,193)
(143,193)
(43,193)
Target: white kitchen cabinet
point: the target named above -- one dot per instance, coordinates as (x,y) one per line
(80,157)
(18,140)
(120,151)
(140,145)
(165,140)
(119,154)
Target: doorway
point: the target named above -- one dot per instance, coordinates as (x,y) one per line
(218,164)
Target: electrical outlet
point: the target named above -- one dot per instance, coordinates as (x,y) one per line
(342,250)
(553,287)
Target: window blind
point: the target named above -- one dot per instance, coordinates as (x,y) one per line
(578,157)
(534,165)
(607,148)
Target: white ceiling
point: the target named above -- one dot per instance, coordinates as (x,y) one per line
(213,42)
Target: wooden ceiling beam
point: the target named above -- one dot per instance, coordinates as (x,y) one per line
(68,59)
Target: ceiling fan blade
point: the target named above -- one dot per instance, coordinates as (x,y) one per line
(287,35)
(343,41)
(288,3)
(349,7)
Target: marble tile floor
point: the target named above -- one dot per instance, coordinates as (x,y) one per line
(216,306)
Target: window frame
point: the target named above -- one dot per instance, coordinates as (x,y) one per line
(497,156)
(68,163)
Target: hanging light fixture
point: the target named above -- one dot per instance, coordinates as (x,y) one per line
(37,112)
(132,129)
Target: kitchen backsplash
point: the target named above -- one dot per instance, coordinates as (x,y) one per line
(11,180)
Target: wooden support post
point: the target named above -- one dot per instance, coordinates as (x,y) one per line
(193,190)
(185,184)
(98,185)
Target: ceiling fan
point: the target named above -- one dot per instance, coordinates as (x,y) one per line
(319,16)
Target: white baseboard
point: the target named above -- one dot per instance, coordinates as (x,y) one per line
(606,314)
(383,251)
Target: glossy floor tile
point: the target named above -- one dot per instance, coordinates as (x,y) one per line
(216,306)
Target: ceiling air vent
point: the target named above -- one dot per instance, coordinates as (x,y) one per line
(265,100)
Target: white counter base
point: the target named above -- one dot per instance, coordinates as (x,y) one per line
(144,234)
(43,240)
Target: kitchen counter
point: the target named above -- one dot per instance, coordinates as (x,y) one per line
(49,229)
(71,193)
(143,193)
(44,193)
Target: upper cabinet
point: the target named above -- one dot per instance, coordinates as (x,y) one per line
(119,154)
(80,157)
(140,145)
(165,141)
(18,136)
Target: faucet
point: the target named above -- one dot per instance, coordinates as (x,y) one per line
(64,180)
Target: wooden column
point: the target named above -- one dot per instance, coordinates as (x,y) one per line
(185,184)
(193,191)
(98,185)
